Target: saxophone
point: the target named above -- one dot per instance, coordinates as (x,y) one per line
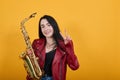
(30,61)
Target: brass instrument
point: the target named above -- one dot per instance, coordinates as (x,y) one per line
(30,61)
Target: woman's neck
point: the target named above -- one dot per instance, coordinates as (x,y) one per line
(50,41)
(50,44)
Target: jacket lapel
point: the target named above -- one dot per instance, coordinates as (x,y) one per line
(58,55)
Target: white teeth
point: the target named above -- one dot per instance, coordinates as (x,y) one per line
(47,32)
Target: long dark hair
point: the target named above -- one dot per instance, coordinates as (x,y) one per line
(56,35)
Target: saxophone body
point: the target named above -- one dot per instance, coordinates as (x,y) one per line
(30,61)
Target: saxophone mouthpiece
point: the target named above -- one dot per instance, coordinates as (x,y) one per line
(33,15)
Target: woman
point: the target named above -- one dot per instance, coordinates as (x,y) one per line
(53,50)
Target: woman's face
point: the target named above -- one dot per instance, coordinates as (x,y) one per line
(46,28)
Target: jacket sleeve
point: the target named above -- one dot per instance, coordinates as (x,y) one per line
(35,45)
(28,78)
(72,60)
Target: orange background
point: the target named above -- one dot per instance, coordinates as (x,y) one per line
(94,26)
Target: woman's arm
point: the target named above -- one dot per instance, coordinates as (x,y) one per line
(71,57)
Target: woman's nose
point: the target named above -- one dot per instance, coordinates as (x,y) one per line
(45,28)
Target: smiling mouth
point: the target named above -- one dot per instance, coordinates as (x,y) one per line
(47,32)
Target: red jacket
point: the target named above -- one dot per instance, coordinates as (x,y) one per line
(64,55)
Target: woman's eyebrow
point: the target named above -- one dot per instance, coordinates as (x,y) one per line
(48,23)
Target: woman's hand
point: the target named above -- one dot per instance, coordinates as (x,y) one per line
(66,37)
(28,51)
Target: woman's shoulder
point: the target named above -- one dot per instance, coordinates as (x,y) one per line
(38,41)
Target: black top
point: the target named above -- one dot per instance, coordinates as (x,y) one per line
(48,62)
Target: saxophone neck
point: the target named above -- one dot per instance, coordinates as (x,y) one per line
(26,19)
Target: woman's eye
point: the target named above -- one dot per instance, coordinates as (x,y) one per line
(42,26)
(49,25)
